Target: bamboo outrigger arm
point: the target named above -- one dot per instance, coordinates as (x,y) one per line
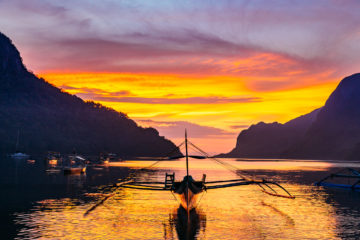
(264,184)
(267,187)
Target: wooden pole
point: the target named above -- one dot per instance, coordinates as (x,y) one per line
(187,175)
(187,157)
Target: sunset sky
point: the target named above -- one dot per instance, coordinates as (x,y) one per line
(213,67)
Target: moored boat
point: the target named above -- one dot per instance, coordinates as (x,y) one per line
(19,155)
(53,158)
(74,169)
(30,161)
(76,165)
(347,178)
(104,159)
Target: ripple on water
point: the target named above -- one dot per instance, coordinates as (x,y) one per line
(233,213)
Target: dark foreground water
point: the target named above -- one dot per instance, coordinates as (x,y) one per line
(40,205)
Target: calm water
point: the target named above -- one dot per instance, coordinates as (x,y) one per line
(35,204)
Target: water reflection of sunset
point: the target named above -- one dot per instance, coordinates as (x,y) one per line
(245,165)
(240,212)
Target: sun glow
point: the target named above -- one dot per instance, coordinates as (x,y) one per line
(224,102)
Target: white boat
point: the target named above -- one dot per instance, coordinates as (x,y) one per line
(19,155)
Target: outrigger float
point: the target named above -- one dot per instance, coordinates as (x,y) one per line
(347,178)
(188,189)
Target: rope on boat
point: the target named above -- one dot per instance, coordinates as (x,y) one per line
(237,171)
(145,188)
(202,195)
(175,197)
(103,200)
(112,188)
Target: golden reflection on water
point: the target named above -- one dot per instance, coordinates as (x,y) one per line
(233,213)
(245,165)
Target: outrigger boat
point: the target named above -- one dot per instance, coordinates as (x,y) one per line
(188,189)
(347,178)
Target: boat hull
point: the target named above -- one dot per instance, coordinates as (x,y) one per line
(187,192)
(188,199)
(19,156)
(74,170)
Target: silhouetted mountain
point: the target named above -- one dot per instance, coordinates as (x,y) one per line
(271,140)
(331,132)
(50,119)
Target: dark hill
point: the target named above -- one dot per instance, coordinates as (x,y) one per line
(332,132)
(271,140)
(336,132)
(50,119)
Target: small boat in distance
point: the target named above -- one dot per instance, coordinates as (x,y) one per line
(347,178)
(30,161)
(106,158)
(74,169)
(53,158)
(53,162)
(76,165)
(18,154)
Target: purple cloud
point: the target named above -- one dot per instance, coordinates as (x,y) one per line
(239,126)
(126,96)
(186,100)
(96,91)
(187,37)
(175,129)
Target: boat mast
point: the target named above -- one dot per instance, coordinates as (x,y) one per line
(187,158)
(187,179)
(17,141)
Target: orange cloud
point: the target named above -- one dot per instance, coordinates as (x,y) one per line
(230,66)
(170,99)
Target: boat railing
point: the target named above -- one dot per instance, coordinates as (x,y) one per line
(169,180)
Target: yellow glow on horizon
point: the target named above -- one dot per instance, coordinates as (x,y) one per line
(268,106)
